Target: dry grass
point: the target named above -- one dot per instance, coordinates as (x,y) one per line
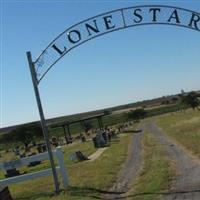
(184,127)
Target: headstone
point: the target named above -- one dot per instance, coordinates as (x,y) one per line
(83,138)
(69,140)
(32,164)
(23,155)
(16,151)
(54,141)
(99,140)
(11,173)
(27,149)
(34,143)
(41,148)
(80,156)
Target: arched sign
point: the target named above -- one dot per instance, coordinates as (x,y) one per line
(95,27)
(109,22)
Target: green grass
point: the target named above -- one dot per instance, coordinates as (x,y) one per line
(165,109)
(156,173)
(88,180)
(87,148)
(184,127)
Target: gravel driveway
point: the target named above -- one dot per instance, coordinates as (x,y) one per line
(130,170)
(186,186)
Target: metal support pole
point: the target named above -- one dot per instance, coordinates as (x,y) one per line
(43,122)
(65,133)
(68,131)
(100,123)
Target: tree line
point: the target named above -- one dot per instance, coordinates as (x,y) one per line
(28,133)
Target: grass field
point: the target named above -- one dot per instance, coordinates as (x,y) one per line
(156,173)
(88,180)
(184,127)
(91,180)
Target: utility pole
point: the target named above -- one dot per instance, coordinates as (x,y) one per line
(43,121)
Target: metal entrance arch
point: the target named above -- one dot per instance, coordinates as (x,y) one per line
(97,26)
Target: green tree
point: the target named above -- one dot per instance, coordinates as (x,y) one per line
(137,114)
(174,99)
(27,133)
(192,100)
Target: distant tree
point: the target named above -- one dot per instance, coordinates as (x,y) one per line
(137,114)
(165,102)
(106,112)
(192,100)
(35,128)
(23,135)
(174,99)
(180,95)
(27,133)
(7,137)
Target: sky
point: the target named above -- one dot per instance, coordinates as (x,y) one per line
(122,67)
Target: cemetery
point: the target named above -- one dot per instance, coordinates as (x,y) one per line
(100,149)
(32,165)
(145,150)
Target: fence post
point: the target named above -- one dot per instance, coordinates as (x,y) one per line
(63,169)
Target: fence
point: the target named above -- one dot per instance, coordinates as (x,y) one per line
(39,157)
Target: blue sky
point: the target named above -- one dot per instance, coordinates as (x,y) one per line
(118,68)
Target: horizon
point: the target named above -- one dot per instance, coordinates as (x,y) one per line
(169,95)
(112,82)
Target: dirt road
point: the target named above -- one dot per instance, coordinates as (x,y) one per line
(130,169)
(186,186)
